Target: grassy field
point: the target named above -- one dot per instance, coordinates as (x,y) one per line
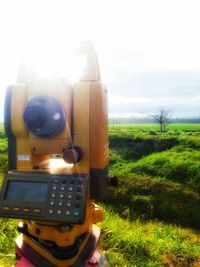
(155,127)
(157,202)
(152,218)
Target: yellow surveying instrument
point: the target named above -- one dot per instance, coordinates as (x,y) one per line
(58,156)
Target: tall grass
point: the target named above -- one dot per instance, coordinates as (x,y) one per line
(8,233)
(152,243)
(177,164)
(159,187)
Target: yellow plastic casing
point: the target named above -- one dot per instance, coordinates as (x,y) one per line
(86,109)
(33,151)
(98,126)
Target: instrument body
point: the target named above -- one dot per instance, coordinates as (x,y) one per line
(48,121)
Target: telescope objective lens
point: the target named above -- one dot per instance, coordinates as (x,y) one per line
(44,116)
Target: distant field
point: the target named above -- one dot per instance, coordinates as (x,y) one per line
(147,127)
(155,127)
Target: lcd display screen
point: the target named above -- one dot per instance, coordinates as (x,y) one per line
(26,191)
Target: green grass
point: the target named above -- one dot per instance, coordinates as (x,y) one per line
(152,218)
(159,187)
(8,232)
(175,164)
(152,243)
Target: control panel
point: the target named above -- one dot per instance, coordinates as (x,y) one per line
(44,196)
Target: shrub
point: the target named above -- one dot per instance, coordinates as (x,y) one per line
(152,132)
(182,166)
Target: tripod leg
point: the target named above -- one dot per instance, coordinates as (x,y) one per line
(24,262)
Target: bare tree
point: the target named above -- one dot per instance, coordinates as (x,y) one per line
(162,117)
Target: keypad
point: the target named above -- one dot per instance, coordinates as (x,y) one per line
(68,198)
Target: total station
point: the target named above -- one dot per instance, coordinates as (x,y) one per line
(57,162)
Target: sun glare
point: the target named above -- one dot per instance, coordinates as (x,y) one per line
(59,165)
(41,34)
(63,65)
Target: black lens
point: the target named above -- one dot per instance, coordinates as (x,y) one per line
(35,116)
(44,116)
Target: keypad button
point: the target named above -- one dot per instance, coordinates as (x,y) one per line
(69,196)
(76,213)
(67,212)
(79,189)
(69,204)
(77,205)
(16,209)
(56,180)
(72,181)
(62,188)
(64,180)
(70,189)
(78,197)
(37,210)
(59,212)
(51,211)
(54,187)
(26,209)
(53,195)
(52,203)
(60,204)
(61,195)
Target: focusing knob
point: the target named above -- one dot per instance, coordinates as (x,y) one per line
(72,155)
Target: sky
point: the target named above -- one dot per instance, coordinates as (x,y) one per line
(149,50)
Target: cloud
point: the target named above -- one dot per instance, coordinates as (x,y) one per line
(179,107)
(146,91)
(155,83)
